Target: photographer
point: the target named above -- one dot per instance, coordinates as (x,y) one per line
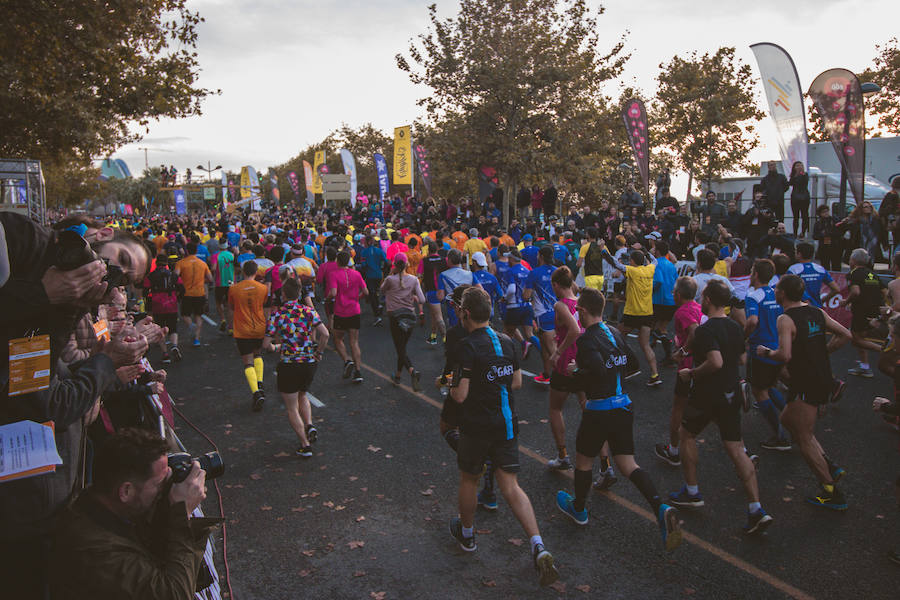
(758,220)
(130,535)
(52,284)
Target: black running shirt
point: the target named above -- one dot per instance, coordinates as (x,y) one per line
(432,266)
(488,360)
(809,367)
(726,336)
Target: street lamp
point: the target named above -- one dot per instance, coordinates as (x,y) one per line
(208,170)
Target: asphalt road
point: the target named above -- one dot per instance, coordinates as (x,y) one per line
(367,516)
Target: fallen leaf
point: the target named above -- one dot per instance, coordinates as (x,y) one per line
(323,467)
(879,516)
(372,448)
(786,499)
(360,519)
(404,551)
(255,476)
(277,469)
(305,573)
(356,544)
(359,573)
(388,456)
(228,431)
(482,531)
(789,487)
(228,425)
(689,591)
(233,449)
(281,454)
(515,541)
(559,586)
(583,588)
(427,492)
(379,496)
(329,504)
(265,507)
(279,518)
(353,478)
(365,489)
(308,552)
(339,507)
(377,595)
(544,421)
(313,494)
(488,583)
(523,422)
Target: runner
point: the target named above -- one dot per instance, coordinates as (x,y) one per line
(590,258)
(329,266)
(567,329)
(403,297)
(607,416)
(803,347)
(373,261)
(813,276)
(451,277)
(223,274)
(303,336)
(303,269)
(246,299)
(518,323)
(489,371)
(539,291)
(688,316)
(431,268)
(482,277)
(866,296)
(163,288)
(664,277)
(346,286)
(195,275)
(718,350)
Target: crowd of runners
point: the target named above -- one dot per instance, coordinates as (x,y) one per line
(737,332)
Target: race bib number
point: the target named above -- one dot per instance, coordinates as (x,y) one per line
(29,364)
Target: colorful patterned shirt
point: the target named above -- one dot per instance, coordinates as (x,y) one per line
(294,323)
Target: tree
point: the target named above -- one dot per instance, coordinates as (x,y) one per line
(79,74)
(70,183)
(886,73)
(512,81)
(705,111)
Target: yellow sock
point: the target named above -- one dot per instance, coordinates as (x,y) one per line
(250,374)
(828,487)
(258,365)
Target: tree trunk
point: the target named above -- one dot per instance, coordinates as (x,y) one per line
(690,183)
(507,184)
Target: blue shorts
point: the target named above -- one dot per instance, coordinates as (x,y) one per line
(520,316)
(452,319)
(546,321)
(432,298)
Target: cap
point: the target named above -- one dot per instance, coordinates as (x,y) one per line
(357,237)
(514,254)
(479,259)
(223,245)
(527,237)
(653,235)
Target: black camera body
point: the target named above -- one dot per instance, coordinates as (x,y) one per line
(180,463)
(74,251)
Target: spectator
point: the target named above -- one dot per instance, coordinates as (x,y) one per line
(630,198)
(799,183)
(774,185)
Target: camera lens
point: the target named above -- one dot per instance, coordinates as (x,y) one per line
(212,463)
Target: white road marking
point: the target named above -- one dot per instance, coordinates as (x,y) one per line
(315,401)
(210,321)
(528,373)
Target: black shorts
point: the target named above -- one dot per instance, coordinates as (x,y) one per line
(329,307)
(295,377)
(193,306)
(562,383)
(346,323)
(663,312)
(814,397)
(248,346)
(761,374)
(725,411)
(619,288)
(600,426)
(519,316)
(221,294)
(169,320)
(451,412)
(638,321)
(859,323)
(473,451)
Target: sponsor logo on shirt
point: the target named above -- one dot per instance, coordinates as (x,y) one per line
(496,372)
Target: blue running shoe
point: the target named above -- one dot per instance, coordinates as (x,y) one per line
(757,522)
(564,503)
(833,500)
(837,472)
(668,527)
(487,500)
(685,500)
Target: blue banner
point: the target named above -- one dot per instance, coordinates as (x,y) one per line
(381,168)
(180,202)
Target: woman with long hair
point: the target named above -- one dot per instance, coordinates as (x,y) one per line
(799,181)
(403,299)
(866,230)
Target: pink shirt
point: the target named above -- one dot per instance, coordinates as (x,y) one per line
(686,315)
(568,356)
(394,249)
(325,270)
(348,283)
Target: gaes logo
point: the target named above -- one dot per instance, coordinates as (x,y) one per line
(496,372)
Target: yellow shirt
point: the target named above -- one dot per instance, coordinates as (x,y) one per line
(721,268)
(639,290)
(475,245)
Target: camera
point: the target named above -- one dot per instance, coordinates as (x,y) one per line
(74,251)
(180,463)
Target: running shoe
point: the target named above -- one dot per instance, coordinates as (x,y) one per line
(542,379)
(654,337)
(860,372)
(560,464)
(348,369)
(654,381)
(747,395)
(606,480)
(894,556)
(166,359)
(230,331)
(543,562)
(777,443)
(223,326)
(304,451)
(684,499)
(378,321)
(667,517)
(837,472)
(176,353)
(753,458)
(833,500)
(467,544)
(259,398)
(664,453)
(837,390)
(432,340)
(564,503)
(312,434)
(416,381)
(357,376)
(396,380)
(196,342)
(526,348)
(757,522)
(487,500)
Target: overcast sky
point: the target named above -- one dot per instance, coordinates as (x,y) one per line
(292,71)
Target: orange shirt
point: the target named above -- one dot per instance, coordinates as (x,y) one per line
(505,239)
(413,258)
(460,238)
(159,241)
(417,238)
(193,273)
(246,299)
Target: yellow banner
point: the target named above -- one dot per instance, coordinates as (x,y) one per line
(245,182)
(317,180)
(402,156)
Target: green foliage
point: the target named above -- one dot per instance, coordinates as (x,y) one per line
(885,105)
(79,74)
(704,113)
(70,183)
(515,84)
